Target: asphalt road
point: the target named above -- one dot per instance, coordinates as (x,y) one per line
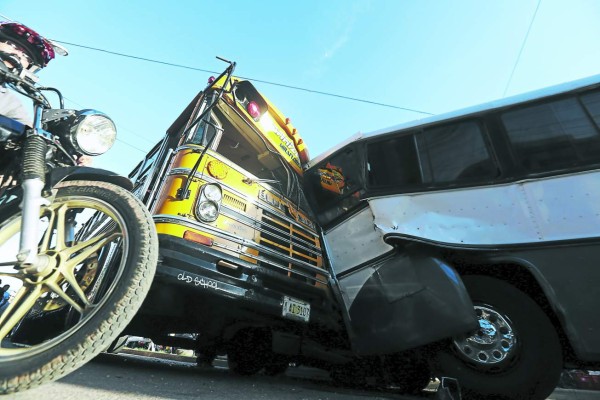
(126,376)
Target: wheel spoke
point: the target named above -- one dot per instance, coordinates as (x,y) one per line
(22,303)
(61,293)
(46,239)
(70,278)
(87,248)
(60,227)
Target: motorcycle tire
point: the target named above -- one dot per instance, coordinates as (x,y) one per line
(95,281)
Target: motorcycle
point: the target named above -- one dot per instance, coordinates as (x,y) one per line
(77,248)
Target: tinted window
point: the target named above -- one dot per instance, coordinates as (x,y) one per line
(393,162)
(553,136)
(457,153)
(591,102)
(449,154)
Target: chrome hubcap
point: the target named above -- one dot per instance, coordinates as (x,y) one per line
(493,342)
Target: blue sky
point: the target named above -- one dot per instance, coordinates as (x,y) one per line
(434,56)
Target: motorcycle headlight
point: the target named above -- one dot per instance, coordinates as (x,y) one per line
(93,133)
(208,211)
(212,192)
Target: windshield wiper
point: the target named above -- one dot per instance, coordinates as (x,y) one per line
(183,192)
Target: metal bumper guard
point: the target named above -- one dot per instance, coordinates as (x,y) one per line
(253,287)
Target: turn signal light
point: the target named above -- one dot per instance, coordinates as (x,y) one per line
(197,238)
(217,169)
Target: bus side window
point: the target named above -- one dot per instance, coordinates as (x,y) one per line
(591,101)
(393,162)
(552,136)
(458,153)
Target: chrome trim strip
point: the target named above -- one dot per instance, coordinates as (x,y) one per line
(165,218)
(251,200)
(271,263)
(257,225)
(207,178)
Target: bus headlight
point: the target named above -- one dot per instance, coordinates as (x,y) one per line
(208,211)
(209,202)
(93,133)
(212,192)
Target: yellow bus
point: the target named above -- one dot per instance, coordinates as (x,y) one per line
(240,255)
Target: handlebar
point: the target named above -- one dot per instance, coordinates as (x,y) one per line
(7,76)
(19,82)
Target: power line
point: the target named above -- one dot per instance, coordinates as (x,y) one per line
(250,79)
(132,146)
(117,139)
(121,128)
(522,47)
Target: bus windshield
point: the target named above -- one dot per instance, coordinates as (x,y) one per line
(247,149)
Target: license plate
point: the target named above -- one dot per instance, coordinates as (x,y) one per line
(295,309)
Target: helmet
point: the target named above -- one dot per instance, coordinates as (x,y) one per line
(36,46)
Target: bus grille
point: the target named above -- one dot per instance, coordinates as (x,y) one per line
(289,240)
(234,202)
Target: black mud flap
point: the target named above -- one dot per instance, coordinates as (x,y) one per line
(409,301)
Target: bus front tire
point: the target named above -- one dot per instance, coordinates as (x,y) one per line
(515,353)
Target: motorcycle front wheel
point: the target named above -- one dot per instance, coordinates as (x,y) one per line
(101,248)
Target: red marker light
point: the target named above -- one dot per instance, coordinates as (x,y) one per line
(287,121)
(253,110)
(211,79)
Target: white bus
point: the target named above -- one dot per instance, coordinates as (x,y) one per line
(503,198)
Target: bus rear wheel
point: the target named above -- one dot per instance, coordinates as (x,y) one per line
(514,354)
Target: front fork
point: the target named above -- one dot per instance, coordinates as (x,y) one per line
(34,177)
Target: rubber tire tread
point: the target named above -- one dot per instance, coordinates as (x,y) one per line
(117,311)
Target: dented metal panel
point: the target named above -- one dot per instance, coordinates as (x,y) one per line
(558,208)
(408,300)
(354,242)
